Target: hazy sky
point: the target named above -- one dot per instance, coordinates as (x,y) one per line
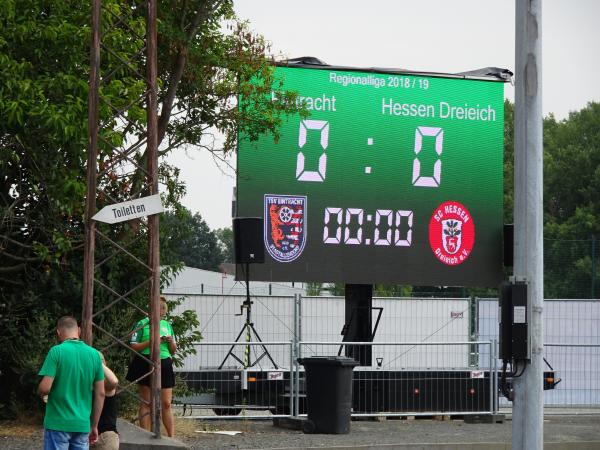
(424,35)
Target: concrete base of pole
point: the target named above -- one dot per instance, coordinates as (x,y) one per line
(133,437)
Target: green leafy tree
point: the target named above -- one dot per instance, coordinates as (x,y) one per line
(337,289)
(186,238)
(185,326)
(314,289)
(44,72)
(509,157)
(225,237)
(391,290)
(572,203)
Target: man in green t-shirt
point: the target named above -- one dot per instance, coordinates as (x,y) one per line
(72,372)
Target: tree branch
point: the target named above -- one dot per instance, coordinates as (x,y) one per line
(9,281)
(21,258)
(201,15)
(11,269)
(12,241)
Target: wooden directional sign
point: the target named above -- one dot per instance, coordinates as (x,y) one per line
(133,209)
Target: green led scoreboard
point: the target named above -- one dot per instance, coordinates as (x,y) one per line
(393,178)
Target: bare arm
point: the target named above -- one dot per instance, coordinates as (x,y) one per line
(99,395)
(172,344)
(110,381)
(97,409)
(139,346)
(45,385)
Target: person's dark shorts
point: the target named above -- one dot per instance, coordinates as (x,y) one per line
(139,366)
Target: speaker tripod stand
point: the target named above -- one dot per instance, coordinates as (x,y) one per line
(249,330)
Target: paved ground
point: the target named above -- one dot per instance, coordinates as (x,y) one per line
(582,432)
(577,432)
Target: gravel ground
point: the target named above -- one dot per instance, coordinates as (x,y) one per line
(26,441)
(263,435)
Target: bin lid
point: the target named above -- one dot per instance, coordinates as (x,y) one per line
(328,361)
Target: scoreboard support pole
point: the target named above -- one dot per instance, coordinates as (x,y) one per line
(528,405)
(358,322)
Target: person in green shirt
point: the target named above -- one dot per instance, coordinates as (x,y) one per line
(71,374)
(140,367)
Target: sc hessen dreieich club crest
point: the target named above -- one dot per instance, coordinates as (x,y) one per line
(285,226)
(451,233)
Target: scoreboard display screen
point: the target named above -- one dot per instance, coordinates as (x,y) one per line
(392,178)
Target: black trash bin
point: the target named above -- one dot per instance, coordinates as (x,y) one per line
(328,393)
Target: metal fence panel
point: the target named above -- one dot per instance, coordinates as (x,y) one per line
(571,347)
(322,318)
(222,319)
(422,320)
(445,390)
(233,391)
(425,340)
(419,364)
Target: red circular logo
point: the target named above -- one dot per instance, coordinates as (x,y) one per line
(451,233)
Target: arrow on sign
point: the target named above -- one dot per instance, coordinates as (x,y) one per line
(133,209)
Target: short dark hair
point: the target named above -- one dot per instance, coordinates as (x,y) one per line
(67,323)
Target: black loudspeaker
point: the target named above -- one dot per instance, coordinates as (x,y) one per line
(509,231)
(248,240)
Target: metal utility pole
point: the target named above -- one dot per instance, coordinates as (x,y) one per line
(528,407)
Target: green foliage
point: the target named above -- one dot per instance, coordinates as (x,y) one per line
(314,289)
(217,66)
(44,72)
(379,290)
(206,57)
(225,237)
(572,204)
(185,326)
(186,238)
(337,289)
(391,290)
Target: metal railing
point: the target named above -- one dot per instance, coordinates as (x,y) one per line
(578,367)
(251,385)
(444,344)
(415,378)
(244,384)
(571,350)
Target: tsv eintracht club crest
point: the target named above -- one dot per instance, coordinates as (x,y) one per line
(285,226)
(451,233)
